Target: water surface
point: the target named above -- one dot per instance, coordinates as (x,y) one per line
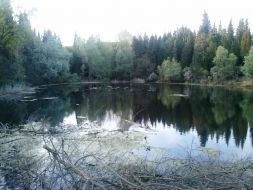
(174,116)
(130,122)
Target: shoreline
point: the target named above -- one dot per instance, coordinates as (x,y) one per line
(242,85)
(234,85)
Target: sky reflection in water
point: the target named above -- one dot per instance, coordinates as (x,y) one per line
(173,117)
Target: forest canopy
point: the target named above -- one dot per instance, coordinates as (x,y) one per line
(213,54)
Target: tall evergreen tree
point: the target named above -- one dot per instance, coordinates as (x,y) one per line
(79,59)
(201,60)
(11,68)
(206,25)
(183,46)
(243,40)
(123,59)
(229,44)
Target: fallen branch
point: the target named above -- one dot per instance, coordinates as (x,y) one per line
(6,142)
(72,167)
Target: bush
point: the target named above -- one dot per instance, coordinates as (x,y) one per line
(188,75)
(224,65)
(152,77)
(247,68)
(170,70)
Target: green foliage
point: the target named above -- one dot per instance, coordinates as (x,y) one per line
(204,46)
(142,67)
(167,98)
(224,106)
(9,40)
(99,58)
(79,59)
(11,68)
(247,107)
(188,75)
(91,59)
(229,40)
(150,52)
(142,62)
(245,43)
(206,43)
(243,40)
(170,70)
(201,60)
(183,46)
(123,58)
(24,56)
(224,65)
(206,26)
(247,68)
(27,57)
(47,61)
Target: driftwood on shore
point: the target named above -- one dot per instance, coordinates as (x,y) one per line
(58,169)
(67,163)
(166,173)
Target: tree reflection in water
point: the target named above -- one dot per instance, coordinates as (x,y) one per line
(212,113)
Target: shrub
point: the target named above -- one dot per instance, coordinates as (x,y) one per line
(170,70)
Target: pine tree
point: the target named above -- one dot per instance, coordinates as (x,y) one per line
(206,26)
(245,42)
(230,37)
(201,61)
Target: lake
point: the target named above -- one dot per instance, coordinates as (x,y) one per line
(173,115)
(144,119)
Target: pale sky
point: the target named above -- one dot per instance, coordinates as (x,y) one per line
(106,18)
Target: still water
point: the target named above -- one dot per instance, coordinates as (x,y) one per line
(171,117)
(93,125)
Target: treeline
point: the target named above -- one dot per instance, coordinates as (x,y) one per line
(211,54)
(27,56)
(93,59)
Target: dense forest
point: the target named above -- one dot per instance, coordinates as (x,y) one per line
(212,54)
